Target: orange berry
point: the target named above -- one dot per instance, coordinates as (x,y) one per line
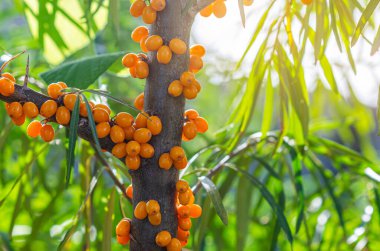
(177,153)
(30,110)
(83,108)
(197,85)
(183,137)
(152,207)
(189,130)
(190,92)
(124,119)
(54,90)
(7,87)
(63,85)
(129,191)
(19,121)
(248,2)
(8,76)
(183,211)
(133,148)
(149,15)
(207,11)
(137,8)
(184,223)
(196,63)
(191,114)
(123,240)
(174,245)
(129,132)
(187,78)
(164,55)
(163,238)
(139,101)
(48,109)
(219,9)
(63,115)
(158,5)
(47,133)
(15,110)
(142,44)
(306,2)
(117,134)
(178,46)
(146,151)
(155,219)
(184,243)
(132,72)
(184,198)
(139,33)
(129,60)
(153,43)
(34,129)
(103,129)
(201,124)
(182,186)
(100,115)
(140,210)
(165,162)
(154,125)
(103,106)
(119,150)
(142,70)
(69,101)
(181,164)
(133,163)
(197,50)
(123,227)
(175,88)
(182,235)
(141,120)
(195,211)
(192,198)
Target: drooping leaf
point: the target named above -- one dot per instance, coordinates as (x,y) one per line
(376,43)
(241,11)
(108,220)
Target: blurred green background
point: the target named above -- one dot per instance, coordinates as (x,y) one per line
(304,166)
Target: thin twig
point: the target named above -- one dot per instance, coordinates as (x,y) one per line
(10,60)
(26,78)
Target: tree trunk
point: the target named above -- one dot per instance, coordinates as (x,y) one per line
(150,181)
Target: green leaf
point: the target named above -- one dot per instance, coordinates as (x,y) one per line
(376,43)
(108,220)
(366,15)
(329,74)
(81,73)
(214,195)
(243,203)
(241,10)
(277,227)
(92,124)
(73,136)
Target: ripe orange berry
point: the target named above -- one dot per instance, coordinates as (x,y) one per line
(207,11)
(307,2)
(30,110)
(174,245)
(129,60)
(142,44)
(117,134)
(182,186)
(83,108)
(119,150)
(158,5)
(48,109)
(137,8)
(19,121)
(201,124)
(47,133)
(184,223)
(183,211)
(123,240)
(140,210)
(165,162)
(129,132)
(103,106)
(34,129)
(197,50)
(63,115)
(139,101)
(184,198)
(132,72)
(15,110)
(163,238)
(155,219)
(195,211)
(8,76)
(164,55)
(129,191)
(69,101)
(184,243)
(178,46)
(123,227)
(139,33)
(190,92)
(133,163)
(219,9)
(124,119)
(149,15)
(63,85)
(152,207)
(153,43)
(154,125)
(248,2)
(187,78)
(7,87)
(103,129)
(146,151)
(142,70)
(182,235)
(181,164)
(100,115)
(177,153)
(191,114)
(189,130)
(197,85)
(54,90)
(141,120)
(133,148)
(196,63)
(175,88)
